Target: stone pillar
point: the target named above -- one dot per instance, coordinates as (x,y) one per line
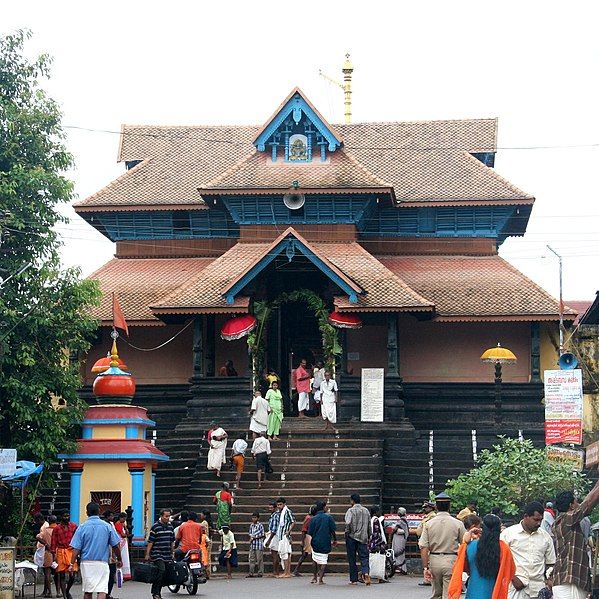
(394,404)
(137,470)
(535,352)
(198,347)
(392,345)
(210,349)
(153,497)
(76,469)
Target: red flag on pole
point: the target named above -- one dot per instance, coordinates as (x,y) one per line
(118,318)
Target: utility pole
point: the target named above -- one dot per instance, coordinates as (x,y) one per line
(561,301)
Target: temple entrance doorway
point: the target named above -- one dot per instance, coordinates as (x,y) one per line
(293,334)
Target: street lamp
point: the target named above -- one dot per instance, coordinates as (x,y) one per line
(498,356)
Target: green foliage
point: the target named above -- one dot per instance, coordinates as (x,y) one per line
(512,474)
(44,310)
(262,311)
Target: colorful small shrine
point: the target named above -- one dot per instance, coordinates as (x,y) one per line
(114,465)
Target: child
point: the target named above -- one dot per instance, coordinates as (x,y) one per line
(228,554)
(256,556)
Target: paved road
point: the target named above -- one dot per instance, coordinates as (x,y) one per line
(294,588)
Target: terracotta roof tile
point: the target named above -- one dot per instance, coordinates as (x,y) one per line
(258,171)
(205,292)
(141,282)
(423,161)
(384,289)
(472,287)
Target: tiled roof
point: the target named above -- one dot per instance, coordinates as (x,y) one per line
(175,162)
(258,171)
(472,287)
(426,161)
(581,306)
(205,292)
(139,283)
(384,289)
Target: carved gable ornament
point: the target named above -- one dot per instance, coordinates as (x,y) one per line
(297,132)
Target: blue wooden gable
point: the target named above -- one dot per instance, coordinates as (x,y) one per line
(290,246)
(297,133)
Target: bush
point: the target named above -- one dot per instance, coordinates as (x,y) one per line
(512,474)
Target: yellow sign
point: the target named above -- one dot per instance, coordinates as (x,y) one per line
(574,457)
(7,572)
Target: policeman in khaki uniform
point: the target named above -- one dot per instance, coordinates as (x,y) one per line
(439,543)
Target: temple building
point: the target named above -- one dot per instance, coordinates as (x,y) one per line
(393,225)
(398,223)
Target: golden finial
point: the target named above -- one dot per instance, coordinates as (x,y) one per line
(114,355)
(348,70)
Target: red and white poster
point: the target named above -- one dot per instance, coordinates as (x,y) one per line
(563,406)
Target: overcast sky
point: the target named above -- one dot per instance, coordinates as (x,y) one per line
(532,64)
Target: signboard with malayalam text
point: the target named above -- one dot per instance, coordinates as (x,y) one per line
(8,462)
(563,406)
(7,572)
(565,455)
(592,457)
(373,394)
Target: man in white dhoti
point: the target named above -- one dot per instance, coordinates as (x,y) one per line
(328,396)
(259,414)
(218,446)
(93,540)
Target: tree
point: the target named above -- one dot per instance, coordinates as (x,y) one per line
(512,474)
(44,310)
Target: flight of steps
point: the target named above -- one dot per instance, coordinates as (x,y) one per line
(308,465)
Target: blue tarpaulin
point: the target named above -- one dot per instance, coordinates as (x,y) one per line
(24,470)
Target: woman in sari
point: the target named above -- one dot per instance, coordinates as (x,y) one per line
(275,417)
(224,502)
(400,538)
(378,541)
(206,546)
(488,560)
(121,528)
(217,438)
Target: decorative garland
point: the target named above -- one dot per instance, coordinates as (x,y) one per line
(262,310)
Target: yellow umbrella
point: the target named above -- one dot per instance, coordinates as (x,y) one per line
(499,354)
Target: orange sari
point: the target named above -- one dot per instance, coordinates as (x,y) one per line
(507,570)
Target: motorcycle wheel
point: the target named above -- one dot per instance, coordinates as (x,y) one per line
(192,585)
(174,588)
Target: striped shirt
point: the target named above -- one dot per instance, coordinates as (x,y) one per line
(286,520)
(162,536)
(273,522)
(572,563)
(257,530)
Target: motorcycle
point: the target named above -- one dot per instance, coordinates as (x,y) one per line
(195,572)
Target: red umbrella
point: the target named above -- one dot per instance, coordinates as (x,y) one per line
(238,327)
(344,320)
(103,364)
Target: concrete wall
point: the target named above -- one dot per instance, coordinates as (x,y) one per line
(170,364)
(549,337)
(450,351)
(368,346)
(104,476)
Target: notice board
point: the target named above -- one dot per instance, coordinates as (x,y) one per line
(563,406)
(7,572)
(373,394)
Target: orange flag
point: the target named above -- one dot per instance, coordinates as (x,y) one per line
(118,318)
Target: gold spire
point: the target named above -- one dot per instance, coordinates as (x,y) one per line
(348,69)
(114,355)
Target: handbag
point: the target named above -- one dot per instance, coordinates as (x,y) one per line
(377,565)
